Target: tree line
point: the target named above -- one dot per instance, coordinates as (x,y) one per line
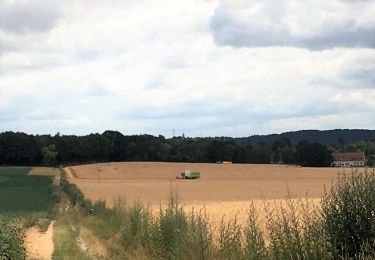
(23,149)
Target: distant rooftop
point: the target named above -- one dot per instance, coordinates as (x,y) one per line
(356,156)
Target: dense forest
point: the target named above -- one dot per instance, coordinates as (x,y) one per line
(23,149)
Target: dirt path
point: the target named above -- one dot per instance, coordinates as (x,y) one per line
(90,245)
(39,245)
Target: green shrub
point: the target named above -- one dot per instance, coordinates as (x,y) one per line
(11,241)
(348,210)
(55,193)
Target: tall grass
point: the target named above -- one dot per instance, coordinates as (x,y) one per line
(171,230)
(230,240)
(255,243)
(295,231)
(171,234)
(200,234)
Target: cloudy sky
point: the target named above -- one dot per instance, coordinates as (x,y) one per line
(201,67)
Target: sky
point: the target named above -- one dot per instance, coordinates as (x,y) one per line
(198,67)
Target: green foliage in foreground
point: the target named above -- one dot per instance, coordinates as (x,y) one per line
(132,231)
(11,240)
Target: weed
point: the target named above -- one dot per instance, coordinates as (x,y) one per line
(230,240)
(255,244)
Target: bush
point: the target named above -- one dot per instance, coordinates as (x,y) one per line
(10,241)
(55,193)
(348,211)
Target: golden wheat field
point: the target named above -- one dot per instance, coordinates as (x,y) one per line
(223,189)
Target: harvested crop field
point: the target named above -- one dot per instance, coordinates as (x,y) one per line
(151,182)
(224,189)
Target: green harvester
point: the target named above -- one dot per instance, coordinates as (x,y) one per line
(187,174)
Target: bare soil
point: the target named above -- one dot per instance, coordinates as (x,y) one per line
(39,245)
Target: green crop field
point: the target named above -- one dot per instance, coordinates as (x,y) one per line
(20,192)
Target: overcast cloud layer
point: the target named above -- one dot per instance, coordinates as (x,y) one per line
(203,68)
(309,24)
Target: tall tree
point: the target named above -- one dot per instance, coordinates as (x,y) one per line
(49,154)
(313,154)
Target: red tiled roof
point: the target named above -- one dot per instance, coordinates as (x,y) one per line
(357,156)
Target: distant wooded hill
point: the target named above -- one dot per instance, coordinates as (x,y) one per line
(337,136)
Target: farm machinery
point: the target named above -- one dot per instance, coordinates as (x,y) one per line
(187,174)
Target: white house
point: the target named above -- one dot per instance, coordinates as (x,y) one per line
(356,159)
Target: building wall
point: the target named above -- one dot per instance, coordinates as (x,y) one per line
(348,163)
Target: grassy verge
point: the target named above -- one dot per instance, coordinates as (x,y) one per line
(71,239)
(66,231)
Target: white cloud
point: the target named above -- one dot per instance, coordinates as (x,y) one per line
(3,103)
(326,122)
(28,16)
(355,99)
(150,67)
(310,24)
